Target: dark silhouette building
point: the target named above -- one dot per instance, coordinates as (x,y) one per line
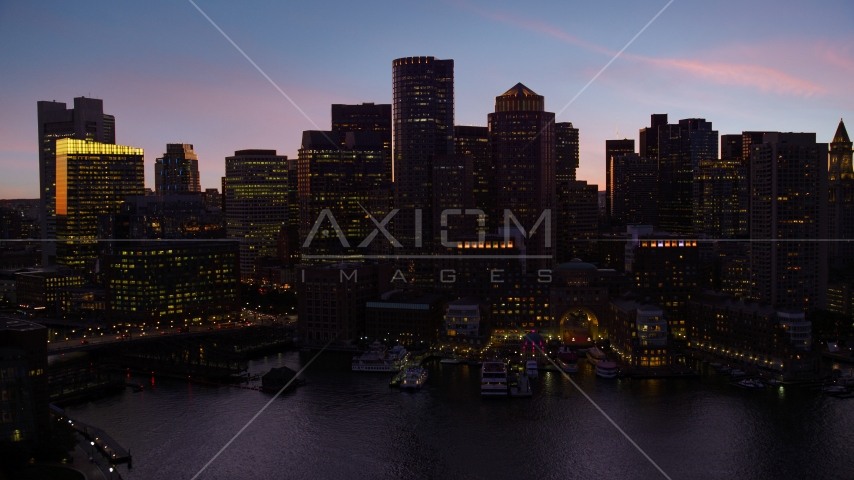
(474,141)
(841,207)
(576,220)
(634,190)
(566,151)
(720,199)
(649,136)
(25,401)
(612,148)
(177,171)
(365,117)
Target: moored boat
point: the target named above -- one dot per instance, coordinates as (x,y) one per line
(531,368)
(493,381)
(414,378)
(606,369)
(567,359)
(595,355)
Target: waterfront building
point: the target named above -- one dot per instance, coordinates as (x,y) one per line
(177,171)
(407,318)
(474,141)
(734,261)
(38,289)
(566,151)
(665,270)
(680,148)
(25,401)
(476,266)
(638,334)
(255,189)
(365,117)
(331,299)
(720,199)
(576,220)
(423,116)
(465,322)
(648,138)
(841,200)
(788,214)
(172,284)
(757,334)
(613,148)
(578,300)
(634,190)
(92,179)
(522,142)
(86,121)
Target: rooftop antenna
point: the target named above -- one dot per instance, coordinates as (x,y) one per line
(617,132)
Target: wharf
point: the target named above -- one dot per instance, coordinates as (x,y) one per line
(105,444)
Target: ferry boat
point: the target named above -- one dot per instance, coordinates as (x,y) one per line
(493,381)
(567,359)
(532,369)
(606,369)
(595,355)
(375,359)
(414,379)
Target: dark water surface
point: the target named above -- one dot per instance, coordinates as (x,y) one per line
(351,425)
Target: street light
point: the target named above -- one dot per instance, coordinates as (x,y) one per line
(111,472)
(92,456)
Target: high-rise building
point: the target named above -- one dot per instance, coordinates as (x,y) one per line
(423,115)
(453,198)
(256,197)
(788,220)
(25,399)
(841,207)
(720,199)
(649,136)
(612,148)
(92,179)
(474,141)
(634,190)
(566,151)
(732,148)
(344,183)
(366,117)
(680,149)
(576,220)
(522,140)
(86,121)
(177,171)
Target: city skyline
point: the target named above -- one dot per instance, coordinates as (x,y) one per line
(786,73)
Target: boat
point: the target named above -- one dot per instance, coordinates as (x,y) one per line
(531,368)
(595,355)
(748,383)
(846,380)
(493,381)
(606,369)
(414,378)
(833,389)
(567,359)
(376,359)
(398,355)
(452,360)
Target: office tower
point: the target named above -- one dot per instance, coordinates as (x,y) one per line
(177,171)
(423,113)
(212,198)
(566,151)
(680,148)
(172,216)
(576,220)
(474,141)
(634,190)
(612,148)
(173,284)
(344,183)
(720,199)
(366,117)
(841,207)
(788,220)
(522,142)
(292,248)
(25,399)
(664,270)
(453,196)
(649,136)
(256,199)
(92,179)
(732,148)
(86,121)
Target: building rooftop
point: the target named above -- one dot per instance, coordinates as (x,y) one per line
(841,134)
(7,323)
(577,264)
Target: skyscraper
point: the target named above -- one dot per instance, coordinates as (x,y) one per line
(366,117)
(566,151)
(576,220)
(177,171)
(649,136)
(256,199)
(841,207)
(680,149)
(92,179)
(86,121)
(474,141)
(720,199)
(522,140)
(612,148)
(423,116)
(788,213)
(634,190)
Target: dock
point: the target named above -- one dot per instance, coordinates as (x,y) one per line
(522,388)
(104,443)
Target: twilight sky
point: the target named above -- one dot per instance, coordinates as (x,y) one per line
(169,76)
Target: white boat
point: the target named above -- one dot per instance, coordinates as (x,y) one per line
(414,378)
(493,381)
(606,369)
(567,359)
(567,366)
(595,355)
(532,368)
(375,360)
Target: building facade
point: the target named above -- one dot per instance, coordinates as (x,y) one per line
(177,171)
(613,148)
(406,318)
(634,190)
(24,397)
(841,199)
(365,117)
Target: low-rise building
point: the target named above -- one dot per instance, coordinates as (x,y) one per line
(24,398)
(37,289)
(638,333)
(466,322)
(404,317)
